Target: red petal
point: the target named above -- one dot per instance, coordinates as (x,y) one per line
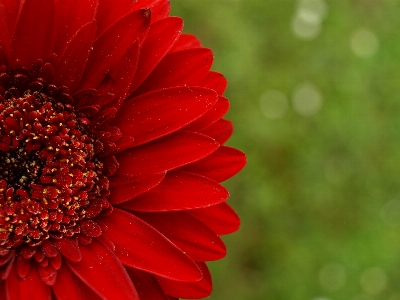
(140,246)
(167,153)
(112,44)
(186,41)
(23,266)
(101,270)
(189,290)
(118,79)
(111,11)
(8,17)
(159,113)
(71,15)
(146,285)
(219,166)
(48,249)
(221,218)
(56,261)
(182,68)
(212,116)
(73,60)
(180,191)
(48,274)
(69,248)
(31,287)
(3,292)
(220,131)
(154,48)
(68,287)
(33,36)
(5,272)
(215,81)
(90,228)
(188,233)
(124,188)
(159,8)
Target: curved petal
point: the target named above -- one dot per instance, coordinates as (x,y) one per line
(48,274)
(101,270)
(68,287)
(189,290)
(159,8)
(119,78)
(216,81)
(31,287)
(146,285)
(69,248)
(34,32)
(179,191)
(73,60)
(111,11)
(220,131)
(111,45)
(154,48)
(66,27)
(167,153)
(212,116)
(156,114)
(221,218)
(186,41)
(181,68)
(146,249)
(219,166)
(124,187)
(188,233)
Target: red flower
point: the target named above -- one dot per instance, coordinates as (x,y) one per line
(111,150)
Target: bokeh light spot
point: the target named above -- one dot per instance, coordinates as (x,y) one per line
(364,43)
(373,280)
(307,100)
(274,104)
(332,276)
(307,21)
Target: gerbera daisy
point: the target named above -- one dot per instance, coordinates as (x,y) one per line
(111,153)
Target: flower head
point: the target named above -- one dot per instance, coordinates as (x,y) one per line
(111,153)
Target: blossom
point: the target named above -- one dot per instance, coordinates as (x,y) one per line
(111,153)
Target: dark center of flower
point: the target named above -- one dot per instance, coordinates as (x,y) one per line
(20,168)
(50,179)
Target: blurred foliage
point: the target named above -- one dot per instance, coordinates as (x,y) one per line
(320,196)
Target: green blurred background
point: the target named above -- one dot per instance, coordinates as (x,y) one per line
(314,88)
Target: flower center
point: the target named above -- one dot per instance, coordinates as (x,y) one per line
(50,178)
(20,168)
